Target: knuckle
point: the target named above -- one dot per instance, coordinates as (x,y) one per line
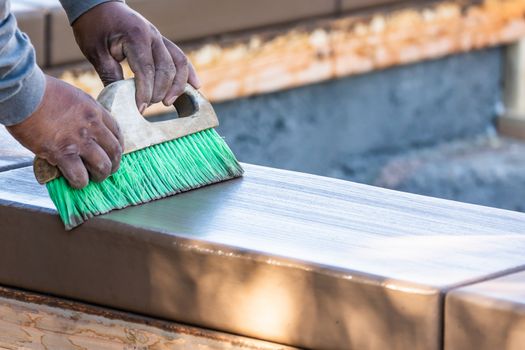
(136,31)
(167,71)
(182,61)
(154,30)
(90,116)
(67,150)
(148,69)
(107,77)
(87,144)
(83,133)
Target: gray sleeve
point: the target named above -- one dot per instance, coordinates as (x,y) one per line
(22,83)
(75,8)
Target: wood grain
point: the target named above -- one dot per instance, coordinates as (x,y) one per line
(282,256)
(29,325)
(488,315)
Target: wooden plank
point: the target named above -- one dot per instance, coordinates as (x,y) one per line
(39,322)
(488,315)
(281,256)
(270,60)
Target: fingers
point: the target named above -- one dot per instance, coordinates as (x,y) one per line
(140,59)
(109,70)
(164,71)
(161,69)
(73,169)
(193,79)
(96,157)
(96,161)
(113,126)
(182,67)
(107,141)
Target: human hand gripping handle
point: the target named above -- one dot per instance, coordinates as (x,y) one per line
(195,114)
(72,131)
(111,32)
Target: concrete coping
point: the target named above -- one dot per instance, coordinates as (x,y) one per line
(281,256)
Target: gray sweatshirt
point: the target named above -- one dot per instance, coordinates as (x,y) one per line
(22,82)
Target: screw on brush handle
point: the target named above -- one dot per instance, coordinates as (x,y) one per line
(195,114)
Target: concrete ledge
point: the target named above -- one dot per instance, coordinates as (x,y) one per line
(286,257)
(488,315)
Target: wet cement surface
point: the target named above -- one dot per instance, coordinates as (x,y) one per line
(324,221)
(282,256)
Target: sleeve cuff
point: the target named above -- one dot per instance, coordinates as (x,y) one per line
(26,100)
(76,8)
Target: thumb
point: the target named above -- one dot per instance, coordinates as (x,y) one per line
(108,69)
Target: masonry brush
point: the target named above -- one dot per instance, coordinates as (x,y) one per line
(160,158)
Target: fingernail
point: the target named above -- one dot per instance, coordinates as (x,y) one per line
(143,107)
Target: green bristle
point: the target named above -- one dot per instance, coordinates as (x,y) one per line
(155,172)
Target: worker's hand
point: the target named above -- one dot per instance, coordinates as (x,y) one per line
(111,32)
(71,130)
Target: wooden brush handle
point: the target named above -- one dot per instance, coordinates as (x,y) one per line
(194,111)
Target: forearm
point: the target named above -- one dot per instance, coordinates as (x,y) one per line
(22,83)
(75,8)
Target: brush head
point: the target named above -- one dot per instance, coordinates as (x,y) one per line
(148,174)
